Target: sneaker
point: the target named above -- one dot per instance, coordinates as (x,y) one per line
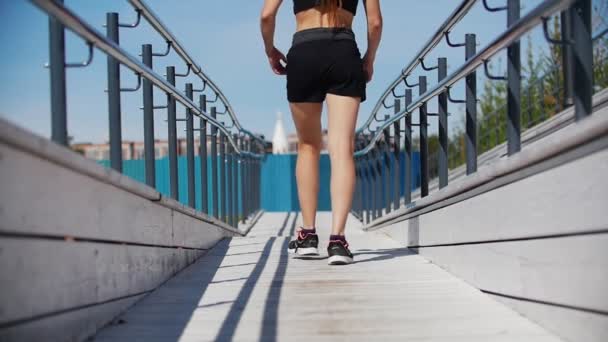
(338,253)
(305,245)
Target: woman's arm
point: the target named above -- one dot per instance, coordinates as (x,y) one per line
(374,32)
(267,23)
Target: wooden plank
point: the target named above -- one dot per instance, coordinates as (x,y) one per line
(191,232)
(256,292)
(39,197)
(569,271)
(569,198)
(77,325)
(566,199)
(45,276)
(581,326)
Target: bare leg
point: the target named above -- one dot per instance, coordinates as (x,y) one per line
(307,119)
(342,119)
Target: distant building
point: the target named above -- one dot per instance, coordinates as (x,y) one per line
(134,149)
(279,139)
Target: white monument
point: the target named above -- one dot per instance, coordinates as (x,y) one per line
(279,139)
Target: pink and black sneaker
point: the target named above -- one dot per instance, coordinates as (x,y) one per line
(306,244)
(338,251)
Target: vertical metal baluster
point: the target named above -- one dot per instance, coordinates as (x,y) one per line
(358,192)
(582,49)
(376,179)
(397,186)
(222,176)
(245,181)
(240,180)
(514,84)
(172,136)
(190,148)
(388,169)
(203,155)
(249,181)
(114,96)
(369,200)
(567,57)
(442,73)
(229,193)
(148,99)
(214,184)
(530,108)
(235,183)
(543,109)
(407,146)
(59,125)
(471,108)
(424,147)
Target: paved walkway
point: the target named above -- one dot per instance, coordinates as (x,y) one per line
(249,289)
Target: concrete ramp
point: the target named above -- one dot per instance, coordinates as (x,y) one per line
(249,289)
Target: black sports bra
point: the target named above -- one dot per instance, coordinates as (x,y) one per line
(302,5)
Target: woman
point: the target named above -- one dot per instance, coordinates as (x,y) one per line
(324,64)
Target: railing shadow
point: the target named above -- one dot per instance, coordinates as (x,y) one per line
(172,304)
(381,254)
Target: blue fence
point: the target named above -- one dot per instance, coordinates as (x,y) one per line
(279,190)
(136,170)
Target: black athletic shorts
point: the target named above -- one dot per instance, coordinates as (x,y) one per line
(321,61)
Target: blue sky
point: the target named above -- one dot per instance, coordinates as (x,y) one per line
(223,37)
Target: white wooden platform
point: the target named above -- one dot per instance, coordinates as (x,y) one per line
(249,289)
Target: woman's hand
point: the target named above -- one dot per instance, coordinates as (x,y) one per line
(368,67)
(274,58)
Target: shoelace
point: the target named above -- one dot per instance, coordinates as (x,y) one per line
(344,243)
(302,235)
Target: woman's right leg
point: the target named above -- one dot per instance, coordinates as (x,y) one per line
(307,119)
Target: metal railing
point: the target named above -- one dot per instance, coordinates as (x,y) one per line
(378,156)
(235,152)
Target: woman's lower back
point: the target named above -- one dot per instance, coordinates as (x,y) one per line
(314,18)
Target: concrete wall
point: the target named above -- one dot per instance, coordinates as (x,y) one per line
(530,230)
(80,243)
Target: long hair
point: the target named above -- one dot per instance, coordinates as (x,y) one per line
(331,7)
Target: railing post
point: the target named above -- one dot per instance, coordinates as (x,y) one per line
(514,84)
(203,155)
(242,178)
(245,181)
(358,190)
(582,48)
(369,200)
(377,169)
(407,147)
(397,156)
(222,177)
(172,136)
(471,108)
(424,147)
(59,126)
(214,183)
(229,193)
(567,57)
(114,96)
(148,99)
(190,147)
(442,73)
(386,170)
(235,183)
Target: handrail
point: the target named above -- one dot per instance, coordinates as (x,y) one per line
(157,24)
(71,21)
(533,18)
(435,39)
